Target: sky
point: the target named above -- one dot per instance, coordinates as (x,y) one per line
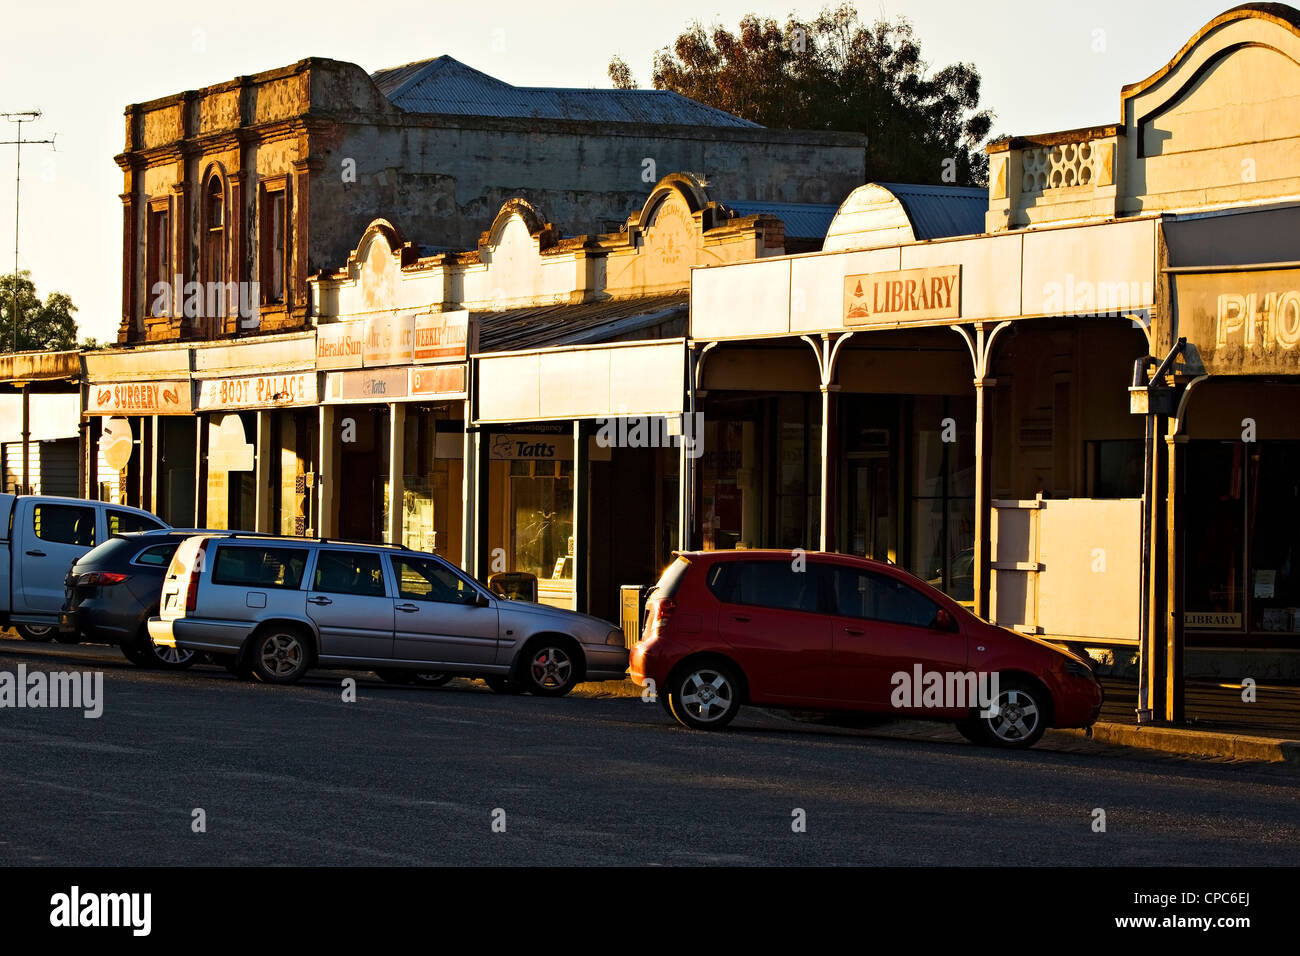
(1047,65)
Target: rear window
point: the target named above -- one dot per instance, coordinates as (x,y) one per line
(671,578)
(773,584)
(127,521)
(158,556)
(259,566)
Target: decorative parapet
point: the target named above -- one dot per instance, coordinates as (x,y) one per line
(1061,177)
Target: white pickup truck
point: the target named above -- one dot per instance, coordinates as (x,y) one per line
(40,538)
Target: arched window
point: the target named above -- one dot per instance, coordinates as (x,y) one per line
(214,241)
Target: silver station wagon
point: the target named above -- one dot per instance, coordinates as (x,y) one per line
(274,607)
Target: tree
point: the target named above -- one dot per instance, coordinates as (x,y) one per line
(621,74)
(836,73)
(44,326)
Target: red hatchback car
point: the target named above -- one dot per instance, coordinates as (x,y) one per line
(815,631)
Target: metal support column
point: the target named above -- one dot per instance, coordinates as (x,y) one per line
(396,472)
(327,503)
(1174,541)
(581,496)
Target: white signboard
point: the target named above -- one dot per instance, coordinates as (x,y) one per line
(258,391)
(389,340)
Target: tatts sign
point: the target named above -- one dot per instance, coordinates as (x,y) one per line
(442,336)
(909,296)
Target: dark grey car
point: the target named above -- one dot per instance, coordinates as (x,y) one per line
(112,590)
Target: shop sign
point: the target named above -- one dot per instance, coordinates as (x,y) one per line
(531,447)
(1216,620)
(340,344)
(257,391)
(389,340)
(442,380)
(911,295)
(383,385)
(1242,323)
(116,442)
(442,336)
(139,398)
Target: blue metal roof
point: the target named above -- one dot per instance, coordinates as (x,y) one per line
(802,220)
(445,85)
(937,212)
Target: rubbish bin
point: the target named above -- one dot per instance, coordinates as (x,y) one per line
(514,585)
(631,602)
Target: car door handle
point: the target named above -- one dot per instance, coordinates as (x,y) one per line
(321,599)
(408,608)
(856,632)
(36,554)
(741,618)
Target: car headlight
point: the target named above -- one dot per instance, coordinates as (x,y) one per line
(615,638)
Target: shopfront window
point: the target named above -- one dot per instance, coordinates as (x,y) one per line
(942,489)
(1243,522)
(541,512)
(431,481)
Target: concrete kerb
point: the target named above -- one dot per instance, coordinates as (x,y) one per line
(1196,743)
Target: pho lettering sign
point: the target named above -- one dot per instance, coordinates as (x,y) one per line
(1242,323)
(902,298)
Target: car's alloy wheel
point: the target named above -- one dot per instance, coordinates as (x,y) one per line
(705,696)
(35,632)
(172,658)
(1017,718)
(551,670)
(279,656)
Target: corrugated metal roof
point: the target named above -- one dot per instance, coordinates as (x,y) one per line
(937,212)
(582,324)
(445,85)
(802,220)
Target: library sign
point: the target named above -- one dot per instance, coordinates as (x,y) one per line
(904,297)
(1242,323)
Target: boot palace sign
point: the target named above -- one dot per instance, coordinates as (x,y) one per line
(1242,323)
(912,296)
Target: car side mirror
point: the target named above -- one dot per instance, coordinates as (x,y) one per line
(943,621)
(482,601)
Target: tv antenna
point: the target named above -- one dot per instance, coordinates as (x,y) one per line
(27,116)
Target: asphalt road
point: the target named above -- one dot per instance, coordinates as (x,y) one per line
(417,776)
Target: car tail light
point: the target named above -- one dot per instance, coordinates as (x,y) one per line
(100,579)
(196,570)
(658,612)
